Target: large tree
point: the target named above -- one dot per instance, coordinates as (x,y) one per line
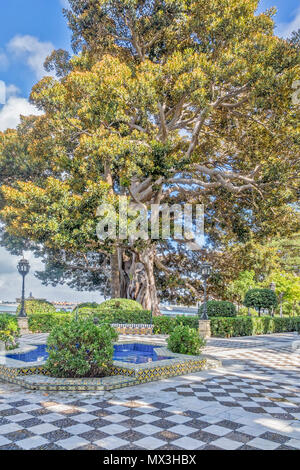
(166,101)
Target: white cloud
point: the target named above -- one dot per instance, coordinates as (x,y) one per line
(32,51)
(10,282)
(3,61)
(11,111)
(285,29)
(12,90)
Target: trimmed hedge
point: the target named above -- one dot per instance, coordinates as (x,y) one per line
(249,326)
(220,327)
(165,325)
(227,327)
(219,308)
(44,323)
(118,316)
(120,304)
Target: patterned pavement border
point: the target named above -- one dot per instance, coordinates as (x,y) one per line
(251,402)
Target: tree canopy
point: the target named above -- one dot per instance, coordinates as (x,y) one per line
(168,101)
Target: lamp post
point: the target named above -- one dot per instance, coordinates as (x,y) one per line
(272,288)
(205,273)
(23,268)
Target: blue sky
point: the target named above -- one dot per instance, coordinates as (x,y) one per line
(43,21)
(29,31)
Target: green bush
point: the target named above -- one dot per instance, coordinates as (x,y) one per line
(260,298)
(185,340)
(219,308)
(165,325)
(120,304)
(249,326)
(9,331)
(86,304)
(45,322)
(37,307)
(80,349)
(118,316)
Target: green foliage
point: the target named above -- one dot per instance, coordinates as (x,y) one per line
(234,326)
(243,311)
(118,316)
(80,349)
(219,308)
(287,284)
(237,289)
(9,331)
(248,326)
(260,298)
(87,304)
(120,304)
(165,325)
(185,340)
(195,66)
(224,327)
(37,307)
(290,308)
(45,322)
(288,252)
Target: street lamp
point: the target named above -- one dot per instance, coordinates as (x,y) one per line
(205,270)
(23,268)
(273,288)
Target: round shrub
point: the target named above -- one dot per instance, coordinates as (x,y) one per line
(117,316)
(80,349)
(219,308)
(87,305)
(37,306)
(120,304)
(260,298)
(185,340)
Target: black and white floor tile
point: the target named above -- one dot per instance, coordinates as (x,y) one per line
(251,402)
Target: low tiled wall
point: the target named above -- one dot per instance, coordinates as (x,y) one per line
(122,374)
(133,329)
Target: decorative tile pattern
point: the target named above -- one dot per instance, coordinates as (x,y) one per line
(122,374)
(248,403)
(132,329)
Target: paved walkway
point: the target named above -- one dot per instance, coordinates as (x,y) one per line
(251,402)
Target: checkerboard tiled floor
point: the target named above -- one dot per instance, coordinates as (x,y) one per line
(251,402)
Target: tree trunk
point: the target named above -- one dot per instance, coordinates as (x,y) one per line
(115,276)
(136,276)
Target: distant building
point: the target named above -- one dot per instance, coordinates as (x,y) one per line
(30,297)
